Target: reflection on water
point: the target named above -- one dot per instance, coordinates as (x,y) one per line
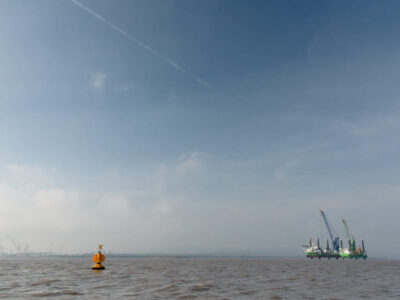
(189,278)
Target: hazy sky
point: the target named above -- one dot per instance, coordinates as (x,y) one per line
(198,126)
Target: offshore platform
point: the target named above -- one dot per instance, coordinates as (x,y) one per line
(337,251)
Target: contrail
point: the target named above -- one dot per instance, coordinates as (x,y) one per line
(140,43)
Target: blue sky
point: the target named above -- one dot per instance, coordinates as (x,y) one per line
(193,126)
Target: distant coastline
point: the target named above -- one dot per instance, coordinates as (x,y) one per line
(152,255)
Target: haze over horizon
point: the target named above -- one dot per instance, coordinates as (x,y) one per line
(198,126)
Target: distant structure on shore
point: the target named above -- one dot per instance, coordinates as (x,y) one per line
(337,251)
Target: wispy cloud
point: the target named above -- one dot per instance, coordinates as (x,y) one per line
(190,163)
(375,126)
(203,82)
(123,88)
(98,81)
(138,42)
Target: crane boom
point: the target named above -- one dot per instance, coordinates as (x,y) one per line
(346,227)
(349,236)
(335,240)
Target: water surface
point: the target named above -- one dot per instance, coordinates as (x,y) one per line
(191,278)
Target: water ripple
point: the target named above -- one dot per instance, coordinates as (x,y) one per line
(200,279)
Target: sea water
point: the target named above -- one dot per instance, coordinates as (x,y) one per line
(199,278)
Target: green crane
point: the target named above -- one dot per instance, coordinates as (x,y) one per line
(349,236)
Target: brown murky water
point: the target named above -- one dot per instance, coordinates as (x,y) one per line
(189,278)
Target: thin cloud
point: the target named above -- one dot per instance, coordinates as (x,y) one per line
(375,127)
(123,88)
(138,42)
(191,163)
(98,81)
(203,82)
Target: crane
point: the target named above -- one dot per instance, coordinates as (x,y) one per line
(335,240)
(349,236)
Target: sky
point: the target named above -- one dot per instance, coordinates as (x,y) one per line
(206,127)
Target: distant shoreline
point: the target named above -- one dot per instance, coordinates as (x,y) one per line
(145,256)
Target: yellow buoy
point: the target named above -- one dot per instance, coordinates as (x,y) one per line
(98,258)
